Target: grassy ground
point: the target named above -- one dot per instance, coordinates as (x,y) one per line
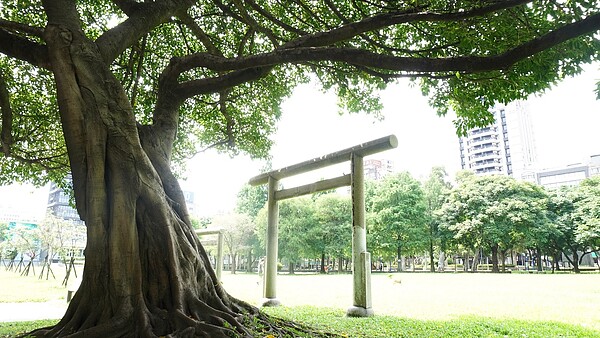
(567,298)
(405,304)
(19,289)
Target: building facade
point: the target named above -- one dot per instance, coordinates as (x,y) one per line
(59,203)
(376,169)
(570,175)
(506,147)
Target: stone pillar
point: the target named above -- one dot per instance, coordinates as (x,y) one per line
(270,284)
(220,256)
(361,259)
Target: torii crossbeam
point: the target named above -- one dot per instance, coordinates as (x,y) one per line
(361,259)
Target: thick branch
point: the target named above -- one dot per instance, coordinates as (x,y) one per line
(19,27)
(7,116)
(143,19)
(24,49)
(380,21)
(393,63)
(215,84)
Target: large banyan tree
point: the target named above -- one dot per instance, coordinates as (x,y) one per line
(118,92)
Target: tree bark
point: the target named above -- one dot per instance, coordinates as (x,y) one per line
(575,261)
(146,273)
(233,266)
(431,258)
(538,253)
(495,268)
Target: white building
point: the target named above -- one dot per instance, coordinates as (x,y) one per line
(376,169)
(506,147)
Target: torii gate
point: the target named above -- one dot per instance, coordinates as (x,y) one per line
(361,259)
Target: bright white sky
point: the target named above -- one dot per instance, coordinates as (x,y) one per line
(566,124)
(566,121)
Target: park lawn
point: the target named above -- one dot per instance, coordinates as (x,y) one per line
(334,321)
(13,329)
(21,289)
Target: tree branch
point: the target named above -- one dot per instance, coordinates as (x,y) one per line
(380,21)
(146,16)
(19,27)
(394,63)
(7,116)
(215,84)
(24,49)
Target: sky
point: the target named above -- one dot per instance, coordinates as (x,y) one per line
(565,120)
(566,123)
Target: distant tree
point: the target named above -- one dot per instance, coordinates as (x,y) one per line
(237,232)
(492,212)
(296,224)
(251,199)
(200,223)
(400,224)
(436,189)
(25,240)
(333,215)
(587,213)
(561,210)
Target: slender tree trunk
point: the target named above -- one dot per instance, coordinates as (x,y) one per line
(538,252)
(495,268)
(476,260)
(323,262)
(575,261)
(233,265)
(431,258)
(502,259)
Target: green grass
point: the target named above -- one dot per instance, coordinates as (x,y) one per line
(334,320)
(21,289)
(13,329)
(405,304)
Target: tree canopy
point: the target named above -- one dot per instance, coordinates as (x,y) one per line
(119,93)
(207,65)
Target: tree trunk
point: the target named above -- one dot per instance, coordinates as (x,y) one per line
(233,265)
(475,260)
(442,261)
(146,273)
(323,263)
(575,261)
(400,258)
(431,258)
(538,253)
(495,268)
(291,265)
(503,259)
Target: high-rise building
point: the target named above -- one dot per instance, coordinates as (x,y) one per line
(376,169)
(505,147)
(58,203)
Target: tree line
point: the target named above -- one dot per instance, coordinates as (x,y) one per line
(430,222)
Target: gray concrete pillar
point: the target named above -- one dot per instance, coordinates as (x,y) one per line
(361,259)
(270,280)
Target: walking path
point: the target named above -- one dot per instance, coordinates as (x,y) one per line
(16,312)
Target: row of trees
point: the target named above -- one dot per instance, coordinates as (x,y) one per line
(478,217)
(53,239)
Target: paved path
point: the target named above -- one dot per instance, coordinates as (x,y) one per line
(16,312)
